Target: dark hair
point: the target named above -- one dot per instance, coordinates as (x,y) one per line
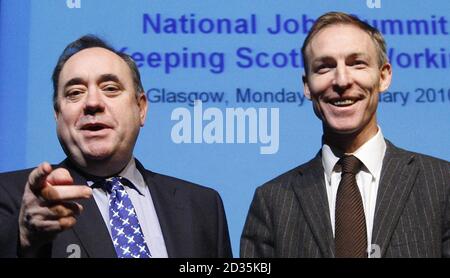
(89,41)
(335,18)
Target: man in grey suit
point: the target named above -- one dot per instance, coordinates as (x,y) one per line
(360,196)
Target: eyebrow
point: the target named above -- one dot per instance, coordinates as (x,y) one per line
(322,58)
(73,81)
(109,77)
(360,54)
(353,55)
(103,78)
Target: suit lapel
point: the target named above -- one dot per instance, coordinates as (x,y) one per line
(397,179)
(171,214)
(90,227)
(309,187)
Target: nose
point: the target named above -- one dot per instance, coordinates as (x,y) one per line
(342,78)
(94,102)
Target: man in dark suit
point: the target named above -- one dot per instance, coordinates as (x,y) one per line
(100,201)
(360,196)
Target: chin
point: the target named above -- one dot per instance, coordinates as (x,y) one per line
(345,129)
(99,153)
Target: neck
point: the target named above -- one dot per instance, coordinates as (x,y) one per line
(103,168)
(349,142)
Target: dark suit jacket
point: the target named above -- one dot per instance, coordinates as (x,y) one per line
(289,216)
(192,219)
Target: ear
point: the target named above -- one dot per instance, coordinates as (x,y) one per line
(306,90)
(55,109)
(385,77)
(143,107)
(55,114)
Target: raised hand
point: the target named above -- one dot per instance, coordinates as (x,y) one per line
(48,206)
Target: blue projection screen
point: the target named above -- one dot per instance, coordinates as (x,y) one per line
(212,63)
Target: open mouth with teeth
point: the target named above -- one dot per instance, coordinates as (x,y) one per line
(94,127)
(343,102)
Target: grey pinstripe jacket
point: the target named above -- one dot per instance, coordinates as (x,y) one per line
(289,216)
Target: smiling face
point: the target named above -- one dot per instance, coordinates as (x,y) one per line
(344,80)
(99,115)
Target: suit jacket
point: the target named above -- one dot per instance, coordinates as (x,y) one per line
(192,219)
(289,216)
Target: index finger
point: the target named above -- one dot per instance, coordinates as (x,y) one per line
(37,177)
(61,193)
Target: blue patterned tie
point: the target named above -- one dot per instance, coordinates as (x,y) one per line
(126,232)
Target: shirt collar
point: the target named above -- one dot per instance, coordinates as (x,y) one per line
(371,154)
(131,173)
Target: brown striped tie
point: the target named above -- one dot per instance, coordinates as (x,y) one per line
(350,229)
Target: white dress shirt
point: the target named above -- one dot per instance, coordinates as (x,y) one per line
(143,204)
(371,155)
